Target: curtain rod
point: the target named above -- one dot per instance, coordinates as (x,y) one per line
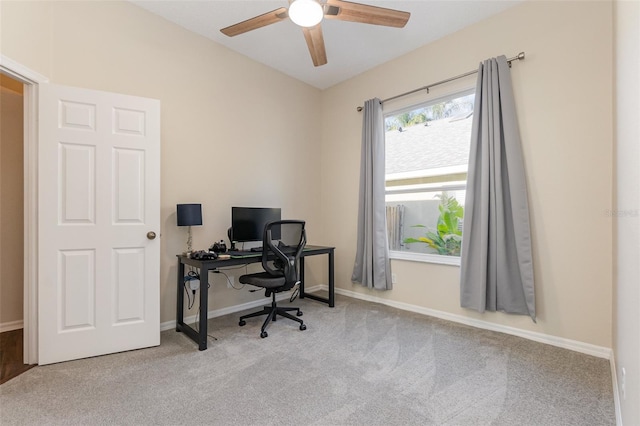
(518,57)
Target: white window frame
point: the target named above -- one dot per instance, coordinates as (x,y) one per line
(438,187)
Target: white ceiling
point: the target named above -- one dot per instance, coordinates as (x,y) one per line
(352,48)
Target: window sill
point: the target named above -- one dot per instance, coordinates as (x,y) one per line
(425,258)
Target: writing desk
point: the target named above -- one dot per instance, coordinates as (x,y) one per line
(205,266)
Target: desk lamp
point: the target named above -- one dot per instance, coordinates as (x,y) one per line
(189,215)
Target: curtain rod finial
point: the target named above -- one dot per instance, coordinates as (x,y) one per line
(359,109)
(520,56)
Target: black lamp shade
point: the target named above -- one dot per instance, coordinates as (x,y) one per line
(189,214)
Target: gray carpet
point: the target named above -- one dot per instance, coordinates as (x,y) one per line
(358,363)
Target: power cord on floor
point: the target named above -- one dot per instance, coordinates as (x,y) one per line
(296,292)
(195,325)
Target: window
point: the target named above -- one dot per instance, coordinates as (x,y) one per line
(427,152)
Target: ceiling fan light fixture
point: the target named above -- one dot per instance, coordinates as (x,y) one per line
(306,13)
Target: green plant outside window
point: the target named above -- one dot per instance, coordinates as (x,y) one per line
(446,239)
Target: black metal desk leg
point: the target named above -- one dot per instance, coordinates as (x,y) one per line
(204,308)
(180,298)
(332,301)
(301,294)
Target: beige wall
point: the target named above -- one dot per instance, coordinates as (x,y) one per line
(626,331)
(563,93)
(225,117)
(234,132)
(11,201)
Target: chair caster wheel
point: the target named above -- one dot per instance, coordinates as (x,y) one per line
(299,313)
(242,322)
(263,334)
(303,327)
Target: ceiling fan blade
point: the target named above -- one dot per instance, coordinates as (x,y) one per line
(315,43)
(256,22)
(365,14)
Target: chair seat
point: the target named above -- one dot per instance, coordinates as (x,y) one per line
(263,279)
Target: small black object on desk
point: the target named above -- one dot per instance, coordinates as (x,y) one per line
(203,255)
(218,247)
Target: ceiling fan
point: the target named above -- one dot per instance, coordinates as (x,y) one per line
(309,13)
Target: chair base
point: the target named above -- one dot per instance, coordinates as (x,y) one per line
(272,312)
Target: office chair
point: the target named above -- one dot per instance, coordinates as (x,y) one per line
(282,244)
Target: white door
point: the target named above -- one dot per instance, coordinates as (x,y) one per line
(98,205)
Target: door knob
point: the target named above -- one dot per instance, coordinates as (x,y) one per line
(151,235)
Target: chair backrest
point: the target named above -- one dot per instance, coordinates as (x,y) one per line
(282,245)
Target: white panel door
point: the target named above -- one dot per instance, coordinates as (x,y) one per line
(98,207)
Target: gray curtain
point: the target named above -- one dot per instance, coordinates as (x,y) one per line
(372,268)
(496,262)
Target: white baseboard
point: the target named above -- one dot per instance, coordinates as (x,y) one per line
(10,326)
(318,287)
(171,325)
(616,394)
(574,345)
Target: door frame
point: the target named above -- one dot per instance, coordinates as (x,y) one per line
(31,80)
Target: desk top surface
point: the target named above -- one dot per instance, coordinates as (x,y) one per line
(251,257)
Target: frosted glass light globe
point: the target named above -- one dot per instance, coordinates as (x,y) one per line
(306,13)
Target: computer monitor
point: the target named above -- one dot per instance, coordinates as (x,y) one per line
(247,223)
